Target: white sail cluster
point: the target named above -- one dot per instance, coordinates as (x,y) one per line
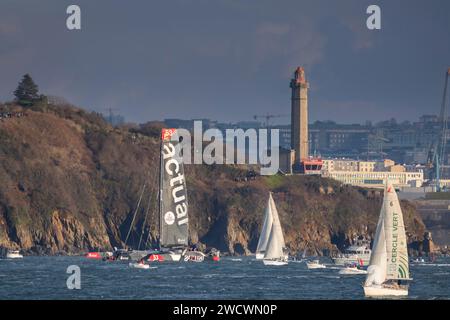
(271,242)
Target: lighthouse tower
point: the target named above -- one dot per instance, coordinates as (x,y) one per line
(299,117)
(302,163)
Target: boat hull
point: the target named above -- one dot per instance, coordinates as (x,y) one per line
(175,256)
(94,255)
(194,256)
(380,291)
(137,255)
(346,260)
(14,256)
(315,266)
(274,263)
(164,256)
(351,271)
(139,266)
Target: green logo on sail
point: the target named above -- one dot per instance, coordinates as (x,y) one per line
(394,237)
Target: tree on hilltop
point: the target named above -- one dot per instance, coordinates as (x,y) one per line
(27,92)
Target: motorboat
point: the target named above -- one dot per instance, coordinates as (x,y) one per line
(13,254)
(360,251)
(315,264)
(353,269)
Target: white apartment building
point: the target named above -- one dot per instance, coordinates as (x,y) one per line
(371,173)
(377,179)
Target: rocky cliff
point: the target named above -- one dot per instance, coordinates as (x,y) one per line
(70,183)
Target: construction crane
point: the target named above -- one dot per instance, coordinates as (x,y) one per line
(436,154)
(268,117)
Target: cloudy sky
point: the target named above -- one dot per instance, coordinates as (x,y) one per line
(229,60)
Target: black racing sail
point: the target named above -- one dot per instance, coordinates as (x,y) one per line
(173,202)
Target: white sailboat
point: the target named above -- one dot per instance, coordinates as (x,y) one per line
(265,232)
(389,266)
(274,254)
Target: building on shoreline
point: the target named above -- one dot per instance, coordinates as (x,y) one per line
(373,174)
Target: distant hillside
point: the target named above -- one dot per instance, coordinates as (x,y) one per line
(69,182)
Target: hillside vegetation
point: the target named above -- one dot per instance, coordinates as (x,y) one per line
(69,182)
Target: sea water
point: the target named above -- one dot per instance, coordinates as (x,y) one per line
(247,278)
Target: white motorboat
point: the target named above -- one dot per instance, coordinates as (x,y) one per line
(350,270)
(13,254)
(315,264)
(274,262)
(389,266)
(356,253)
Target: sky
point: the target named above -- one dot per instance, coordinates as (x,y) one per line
(229,60)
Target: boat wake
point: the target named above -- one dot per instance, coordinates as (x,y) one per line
(331,277)
(335,268)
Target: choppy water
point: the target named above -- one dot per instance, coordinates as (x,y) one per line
(45,278)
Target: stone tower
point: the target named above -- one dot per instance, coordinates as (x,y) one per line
(299,117)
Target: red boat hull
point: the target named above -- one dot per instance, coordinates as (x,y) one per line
(93,255)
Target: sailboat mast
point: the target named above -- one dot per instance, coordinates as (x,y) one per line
(160,193)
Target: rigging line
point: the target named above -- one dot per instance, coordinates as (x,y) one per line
(152,216)
(145,220)
(135,212)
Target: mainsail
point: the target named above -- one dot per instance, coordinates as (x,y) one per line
(396,245)
(173,204)
(276,221)
(275,243)
(389,259)
(376,272)
(267,227)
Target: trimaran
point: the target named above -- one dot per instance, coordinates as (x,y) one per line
(173,238)
(173,206)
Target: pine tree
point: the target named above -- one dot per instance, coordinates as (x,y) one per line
(27,91)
